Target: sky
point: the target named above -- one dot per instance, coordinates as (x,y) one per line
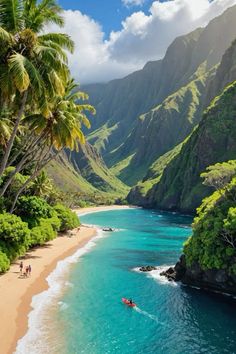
(116,37)
(109,13)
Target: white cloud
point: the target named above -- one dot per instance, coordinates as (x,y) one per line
(91,61)
(129,3)
(142,37)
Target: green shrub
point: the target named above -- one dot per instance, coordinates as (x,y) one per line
(14,235)
(17,182)
(55,222)
(69,220)
(4,262)
(213,243)
(45,231)
(31,209)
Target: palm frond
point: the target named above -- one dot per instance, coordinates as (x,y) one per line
(6,37)
(38,14)
(11,15)
(57,83)
(36,81)
(61,52)
(18,71)
(61,39)
(6,84)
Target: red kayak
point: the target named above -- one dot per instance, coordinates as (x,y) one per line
(128,303)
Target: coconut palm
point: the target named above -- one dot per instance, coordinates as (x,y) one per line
(32,66)
(5,128)
(63,129)
(42,186)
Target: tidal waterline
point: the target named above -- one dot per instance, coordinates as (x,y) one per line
(169,318)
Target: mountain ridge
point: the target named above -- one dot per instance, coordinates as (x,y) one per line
(121,102)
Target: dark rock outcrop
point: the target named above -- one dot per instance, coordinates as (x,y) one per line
(213,280)
(147,268)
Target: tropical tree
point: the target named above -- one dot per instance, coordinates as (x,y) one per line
(32,66)
(5,128)
(219,175)
(63,129)
(42,186)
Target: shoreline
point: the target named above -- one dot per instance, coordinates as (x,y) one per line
(97,209)
(17,293)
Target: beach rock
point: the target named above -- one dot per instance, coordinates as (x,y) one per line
(110,229)
(147,268)
(211,280)
(170,274)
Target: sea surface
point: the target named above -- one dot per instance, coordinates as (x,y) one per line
(169,319)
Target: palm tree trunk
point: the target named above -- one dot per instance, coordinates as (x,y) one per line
(13,134)
(31,178)
(22,163)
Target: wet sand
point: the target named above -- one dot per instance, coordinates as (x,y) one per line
(16,292)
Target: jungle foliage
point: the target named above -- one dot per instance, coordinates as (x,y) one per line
(213,243)
(42,113)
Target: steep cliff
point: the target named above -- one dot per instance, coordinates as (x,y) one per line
(159,130)
(214,140)
(225,74)
(118,132)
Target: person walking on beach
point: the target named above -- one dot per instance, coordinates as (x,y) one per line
(21,267)
(29,270)
(26,271)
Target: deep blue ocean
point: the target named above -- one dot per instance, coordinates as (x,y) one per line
(169,318)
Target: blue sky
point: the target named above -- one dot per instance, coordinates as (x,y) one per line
(109,13)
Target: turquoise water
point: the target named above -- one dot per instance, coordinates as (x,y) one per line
(169,319)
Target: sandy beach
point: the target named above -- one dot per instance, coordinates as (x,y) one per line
(88,210)
(17,292)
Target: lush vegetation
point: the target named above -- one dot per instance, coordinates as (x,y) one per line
(68,219)
(139,194)
(41,114)
(212,141)
(213,243)
(147,113)
(160,130)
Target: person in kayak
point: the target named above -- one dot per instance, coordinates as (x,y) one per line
(130,301)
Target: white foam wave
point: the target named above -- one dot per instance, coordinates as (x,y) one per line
(145,313)
(155,274)
(39,323)
(63,305)
(69,284)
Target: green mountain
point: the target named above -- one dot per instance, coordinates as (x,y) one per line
(214,140)
(163,101)
(85,173)
(159,130)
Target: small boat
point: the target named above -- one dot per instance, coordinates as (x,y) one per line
(127,302)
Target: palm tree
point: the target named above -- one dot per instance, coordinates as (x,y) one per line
(63,129)
(42,186)
(32,66)
(5,128)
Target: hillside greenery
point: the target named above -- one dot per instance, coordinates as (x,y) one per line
(42,113)
(138,194)
(213,243)
(147,113)
(213,140)
(161,129)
